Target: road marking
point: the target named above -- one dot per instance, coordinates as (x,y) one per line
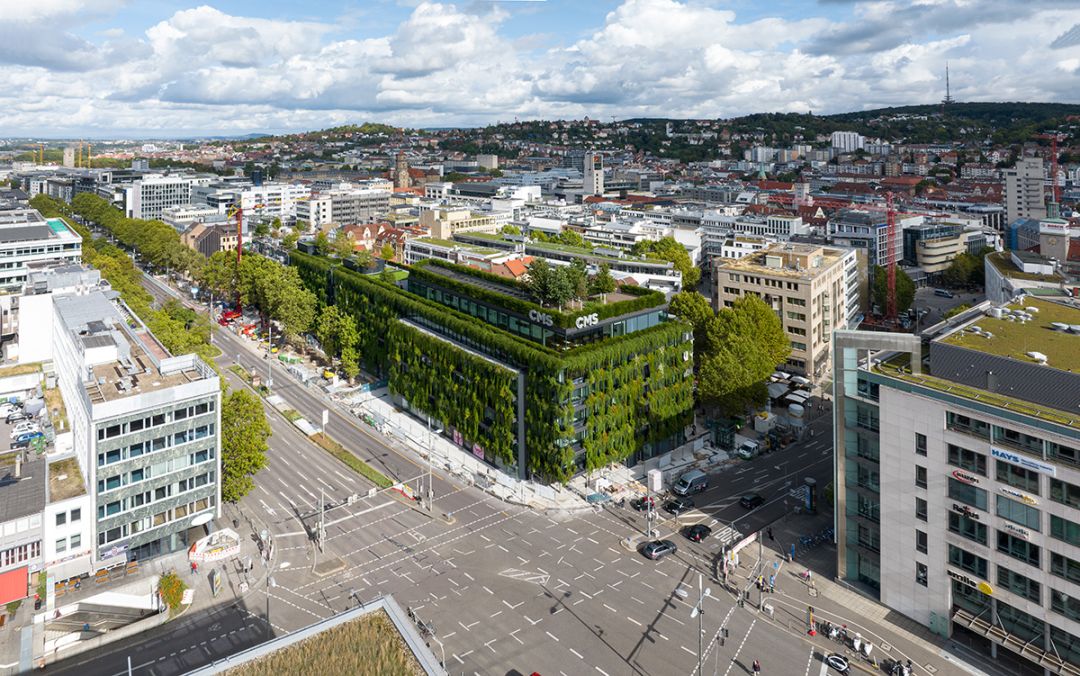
(634,621)
(824,667)
(610,608)
(810,661)
(496,614)
(579,655)
(532,621)
(512,607)
(511,635)
(688,650)
(552,635)
(488,644)
(741,644)
(602,672)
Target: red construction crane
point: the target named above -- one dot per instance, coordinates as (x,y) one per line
(239,213)
(1054,137)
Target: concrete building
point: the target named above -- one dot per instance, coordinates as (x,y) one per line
(148,197)
(180,217)
(269,201)
(847,141)
(28,240)
(594,174)
(443,222)
(402,180)
(1009,273)
(144,430)
(1024,186)
(315,211)
(808,288)
(488,162)
(958,479)
(352,206)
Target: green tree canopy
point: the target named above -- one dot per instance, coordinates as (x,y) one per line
(510,229)
(387,252)
(668,249)
(694,308)
(322,243)
(905,289)
(289,241)
(244,431)
(343,245)
(602,282)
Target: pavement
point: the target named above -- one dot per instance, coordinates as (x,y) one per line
(516,590)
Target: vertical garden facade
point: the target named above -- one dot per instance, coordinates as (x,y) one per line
(533,391)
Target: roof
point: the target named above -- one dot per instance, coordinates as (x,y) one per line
(24,494)
(65,480)
(25,233)
(1015,339)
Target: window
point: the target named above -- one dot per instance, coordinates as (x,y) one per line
(1063,453)
(112,508)
(1063,604)
(1019,584)
(1018,477)
(920,541)
(967,527)
(76,540)
(962,423)
(920,476)
(137,475)
(1065,530)
(158,419)
(1064,567)
(61,518)
(161,493)
(109,483)
(76,514)
(135,450)
(1064,492)
(920,573)
(136,425)
(920,508)
(1019,440)
(920,444)
(61,545)
(1018,512)
(968,561)
(1017,548)
(180,414)
(966,493)
(969,460)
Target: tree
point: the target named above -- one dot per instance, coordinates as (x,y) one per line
(327,330)
(364,258)
(322,243)
(387,252)
(960,270)
(694,308)
(344,245)
(572,238)
(905,289)
(290,240)
(244,432)
(262,229)
(539,276)
(742,345)
(668,249)
(510,229)
(349,338)
(171,588)
(603,283)
(577,276)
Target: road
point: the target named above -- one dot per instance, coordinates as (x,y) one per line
(509,590)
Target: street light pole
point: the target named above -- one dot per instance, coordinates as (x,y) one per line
(697,612)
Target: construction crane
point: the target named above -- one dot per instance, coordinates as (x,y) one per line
(1054,137)
(890,247)
(239,214)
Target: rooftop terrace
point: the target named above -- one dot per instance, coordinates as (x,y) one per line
(1014,339)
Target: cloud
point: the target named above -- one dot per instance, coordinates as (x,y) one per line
(444,64)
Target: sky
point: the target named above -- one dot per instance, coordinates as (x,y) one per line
(153,68)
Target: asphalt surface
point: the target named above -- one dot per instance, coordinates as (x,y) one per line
(509,590)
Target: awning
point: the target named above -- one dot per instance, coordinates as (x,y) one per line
(13,585)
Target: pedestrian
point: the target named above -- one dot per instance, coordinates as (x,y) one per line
(768,531)
(757,667)
(194,568)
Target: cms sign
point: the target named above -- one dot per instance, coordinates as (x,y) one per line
(587,320)
(541,318)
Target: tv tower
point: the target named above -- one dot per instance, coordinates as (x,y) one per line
(948,94)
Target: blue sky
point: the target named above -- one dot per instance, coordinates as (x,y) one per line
(157,68)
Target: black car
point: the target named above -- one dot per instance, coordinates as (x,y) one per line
(657,549)
(16,417)
(751,500)
(678,505)
(697,532)
(644,503)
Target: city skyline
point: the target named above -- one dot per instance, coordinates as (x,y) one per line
(116,69)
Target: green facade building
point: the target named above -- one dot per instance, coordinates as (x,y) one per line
(533,391)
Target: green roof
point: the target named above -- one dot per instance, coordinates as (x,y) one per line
(1004,264)
(460,245)
(1014,339)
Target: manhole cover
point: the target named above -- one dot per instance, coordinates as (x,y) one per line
(886,647)
(931,668)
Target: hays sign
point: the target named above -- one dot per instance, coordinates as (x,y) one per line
(1023,461)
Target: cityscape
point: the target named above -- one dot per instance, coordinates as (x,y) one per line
(530,337)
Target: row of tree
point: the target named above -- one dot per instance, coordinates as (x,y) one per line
(735,349)
(275,289)
(966,270)
(556,286)
(157,243)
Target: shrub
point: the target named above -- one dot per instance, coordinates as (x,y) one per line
(171,588)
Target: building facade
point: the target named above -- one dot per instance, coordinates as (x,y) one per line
(958,488)
(28,240)
(1024,190)
(148,197)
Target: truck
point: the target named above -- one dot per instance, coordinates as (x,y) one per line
(749,449)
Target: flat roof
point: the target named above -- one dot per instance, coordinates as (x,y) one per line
(1014,339)
(755,262)
(24,494)
(65,480)
(1002,261)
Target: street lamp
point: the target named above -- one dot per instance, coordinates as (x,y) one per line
(697,612)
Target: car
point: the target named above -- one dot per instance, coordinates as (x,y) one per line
(9,407)
(24,427)
(697,532)
(751,500)
(16,417)
(838,662)
(644,503)
(658,549)
(29,436)
(678,506)
(19,445)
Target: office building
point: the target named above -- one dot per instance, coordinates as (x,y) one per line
(144,429)
(533,391)
(28,240)
(148,197)
(593,174)
(957,480)
(316,211)
(806,285)
(353,206)
(1024,186)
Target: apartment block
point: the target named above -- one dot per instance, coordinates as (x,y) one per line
(1024,190)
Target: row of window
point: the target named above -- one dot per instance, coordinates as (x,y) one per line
(63,517)
(159,519)
(16,555)
(1010,437)
(156,420)
(154,445)
(73,543)
(148,497)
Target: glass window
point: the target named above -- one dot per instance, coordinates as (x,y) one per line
(1064,567)
(180,413)
(61,545)
(1064,492)
(136,425)
(920,541)
(112,456)
(136,475)
(920,573)
(1019,477)
(920,508)
(1017,548)
(1019,440)
(1063,453)
(112,431)
(1019,584)
(962,423)
(1062,603)
(920,476)
(969,460)
(1065,530)
(158,419)
(920,444)
(966,493)
(135,450)
(112,508)
(76,540)
(964,559)
(61,518)
(967,527)
(76,514)
(112,482)
(1018,512)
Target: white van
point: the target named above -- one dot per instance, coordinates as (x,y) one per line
(749,450)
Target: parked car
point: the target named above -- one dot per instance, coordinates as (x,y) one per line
(944,293)
(28,437)
(24,427)
(16,417)
(658,549)
(838,662)
(749,450)
(9,407)
(644,503)
(697,532)
(678,506)
(751,500)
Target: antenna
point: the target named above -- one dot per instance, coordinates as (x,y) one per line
(948,92)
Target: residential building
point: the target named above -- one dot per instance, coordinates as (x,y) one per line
(808,288)
(264,203)
(209,238)
(847,141)
(957,482)
(144,429)
(316,211)
(489,162)
(28,240)
(148,197)
(22,501)
(1024,186)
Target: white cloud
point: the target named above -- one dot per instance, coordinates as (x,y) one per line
(203,69)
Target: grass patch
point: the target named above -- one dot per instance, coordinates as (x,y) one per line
(57,413)
(71,485)
(1015,339)
(356,464)
(291,414)
(19,370)
(242,372)
(368,645)
(1004,264)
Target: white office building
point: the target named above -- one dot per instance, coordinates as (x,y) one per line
(148,197)
(28,240)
